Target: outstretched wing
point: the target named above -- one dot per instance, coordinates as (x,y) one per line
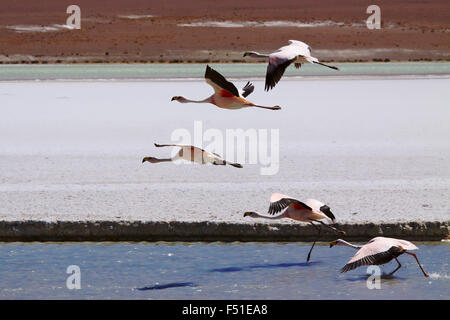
(248,88)
(369,255)
(275,70)
(206,155)
(278,202)
(219,83)
(181,146)
(281,59)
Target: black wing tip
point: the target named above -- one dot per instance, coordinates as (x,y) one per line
(272,210)
(220,80)
(278,206)
(351,266)
(270,83)
(272,78)
(326,210)
(207,70)
(269,86)
(249,85)
(248,89)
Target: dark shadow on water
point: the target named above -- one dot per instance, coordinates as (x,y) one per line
(384,276)
(168,285)
(266,266)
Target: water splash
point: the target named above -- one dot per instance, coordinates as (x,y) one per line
(436,275)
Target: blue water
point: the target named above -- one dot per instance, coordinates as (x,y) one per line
(212,271)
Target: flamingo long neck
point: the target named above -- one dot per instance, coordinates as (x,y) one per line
(341,242)
(258,215)
(162,160)
(270,108)
(254,54)
(207,100)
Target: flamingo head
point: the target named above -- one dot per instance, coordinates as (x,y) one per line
(179,99)
(326,210)
(250,214)
(149,159)
(335,243)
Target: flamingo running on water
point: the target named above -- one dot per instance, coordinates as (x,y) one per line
(225,95)
(193,154)
(310,211)
(379,250)
(296,52)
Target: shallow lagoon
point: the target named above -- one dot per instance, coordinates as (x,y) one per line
(212,271)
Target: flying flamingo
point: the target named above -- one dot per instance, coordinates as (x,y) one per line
(193,154)
(225,95)
(311,211)
(296,52)
(379,250)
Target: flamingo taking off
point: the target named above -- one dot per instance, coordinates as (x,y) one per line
(296,52)
(310,211)
(225,95)
(379,250)
(193,154)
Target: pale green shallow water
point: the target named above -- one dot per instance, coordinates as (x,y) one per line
(212,271)
(237,70)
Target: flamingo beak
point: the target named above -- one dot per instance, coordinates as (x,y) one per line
(246,214)
(333,243)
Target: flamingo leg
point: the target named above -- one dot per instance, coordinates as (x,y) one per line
(414,255)
(398,267)
(330,227)
(310,250)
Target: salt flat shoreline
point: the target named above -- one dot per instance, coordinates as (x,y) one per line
(42,231)
(50,60)
(176,30)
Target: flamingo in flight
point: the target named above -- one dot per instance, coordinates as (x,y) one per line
(193,154)
(310,211)
(225,95)
(379,250)
(296,52)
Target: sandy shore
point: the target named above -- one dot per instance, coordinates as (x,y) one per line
(202,31)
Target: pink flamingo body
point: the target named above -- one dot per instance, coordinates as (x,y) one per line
(192,154)
(226,95)
(378,251)
(309,211)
